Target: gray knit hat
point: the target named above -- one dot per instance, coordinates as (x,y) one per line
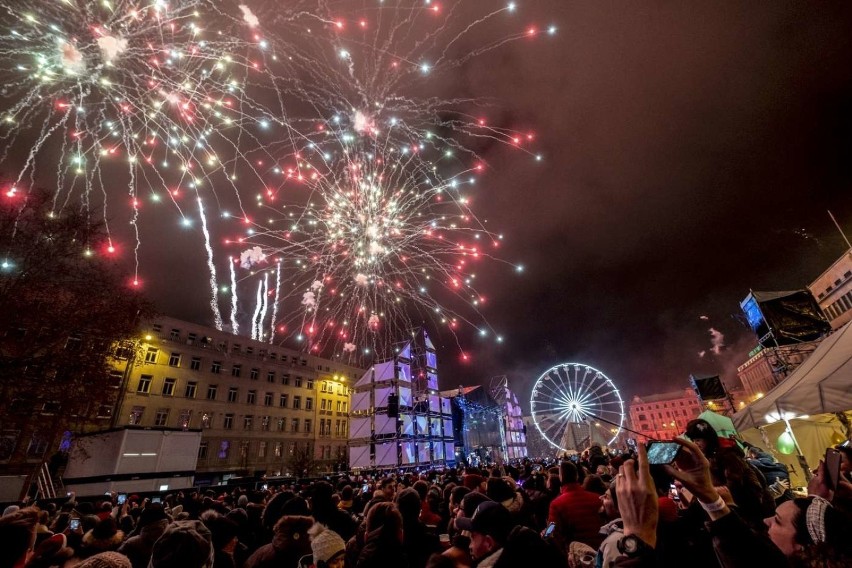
(326,544)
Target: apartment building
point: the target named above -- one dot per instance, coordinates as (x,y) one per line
(256,404)
(664,416)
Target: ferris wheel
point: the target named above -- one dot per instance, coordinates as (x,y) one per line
(574,405)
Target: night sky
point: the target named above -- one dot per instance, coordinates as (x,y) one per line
(691,152)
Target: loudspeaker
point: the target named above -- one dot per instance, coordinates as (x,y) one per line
(708,388)
(393,406)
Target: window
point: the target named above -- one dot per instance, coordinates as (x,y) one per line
(251,397)
(307,425)
(254,374)
(191,388)
(136,415)
(216,367)
(157,327)
(322,404)
(249,350)
(236,348)
(265,422)
(211,392)
(267,399)
(229,422)
(297,402)
(304,362)
(161,417)
(144,386)
(310,384)
(322,427)
(279,449)
(174,334)
(151,355)
(115,379)
(104,411)
(195,364)
(169,387)
(309,403)
(244,449)
(281,424)
(191,338)
(642,417)
(285,380)
(206,420)
(344,405)
(337,427)
(236,370)
(232,394)
(203,448)
(270,377)
(298,382)
(338,406)
(247,421)
(261,449)
(224,449)
(174,360)
(184,417)
(294,425)
(37,447)
(273,356)
(282,401)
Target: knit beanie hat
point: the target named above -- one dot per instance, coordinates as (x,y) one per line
(184,544)
(326,544)
(106,560)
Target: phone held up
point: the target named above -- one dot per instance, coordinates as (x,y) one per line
(662,452)
(74,524)
(548,532)
(832,468)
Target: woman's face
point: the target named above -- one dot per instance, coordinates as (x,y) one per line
(337,562)
(782,531)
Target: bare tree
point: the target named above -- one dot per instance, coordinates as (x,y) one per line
(301,462)
(67,310)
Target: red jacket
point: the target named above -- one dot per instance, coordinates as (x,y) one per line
(575,513)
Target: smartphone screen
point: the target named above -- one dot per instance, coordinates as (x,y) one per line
(832,467)
(549,530)
(74,524)
(365,488)
(122,497)
(660,453)
(156,500)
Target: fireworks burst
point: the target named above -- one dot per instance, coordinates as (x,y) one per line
(337,118)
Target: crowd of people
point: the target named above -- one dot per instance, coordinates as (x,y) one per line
(719,503)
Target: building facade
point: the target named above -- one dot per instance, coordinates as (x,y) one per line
(833,291)
(766,367)
(256,404)
(664,416)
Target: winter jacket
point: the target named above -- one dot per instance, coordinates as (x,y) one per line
(575,513)
(608,552)
(381,551)
(279,553)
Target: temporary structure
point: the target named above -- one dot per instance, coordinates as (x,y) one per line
(807,400)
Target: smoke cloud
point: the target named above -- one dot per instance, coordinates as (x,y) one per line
(248,16)
(251,257)
(111,47)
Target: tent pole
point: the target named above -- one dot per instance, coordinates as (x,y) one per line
(802,460)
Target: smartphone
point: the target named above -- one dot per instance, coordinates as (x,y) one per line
(365,488)
(832,468)
(548,532)
(264,487)
(122,497)
(74,524)
(673,493)
(661,453)
(156,500)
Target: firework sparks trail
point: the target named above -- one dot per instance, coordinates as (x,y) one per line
(275,303)
(258,302)
(265,306)
(235,326)
(211,266)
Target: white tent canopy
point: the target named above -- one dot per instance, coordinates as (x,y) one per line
(822,384)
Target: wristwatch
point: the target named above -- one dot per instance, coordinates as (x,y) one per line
(632,546)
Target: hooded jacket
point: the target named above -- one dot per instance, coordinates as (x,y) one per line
(138,548)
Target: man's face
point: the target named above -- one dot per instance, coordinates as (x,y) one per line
(481,545)
(608,506)
(389,490)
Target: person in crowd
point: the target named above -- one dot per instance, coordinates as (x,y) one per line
(574,511)
(151,525)
(184,544)
(223,536)
(327,548)
(612,531)
(289,544)
(383,539)
(419,542)
(103,537)
(325,511)
(489,529)
(17,536)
